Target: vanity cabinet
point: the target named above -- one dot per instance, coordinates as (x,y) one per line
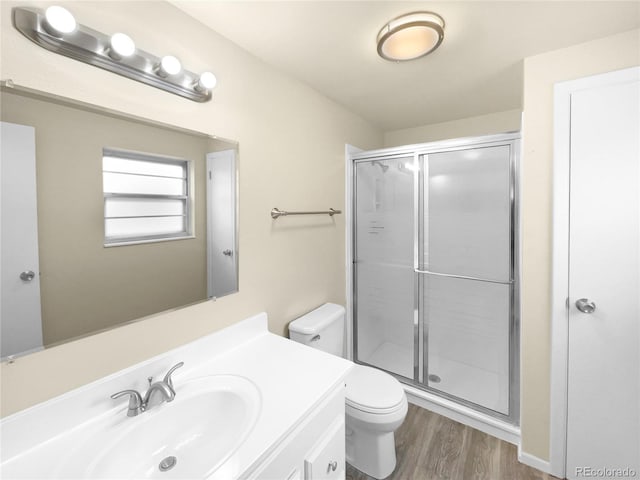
(313,450)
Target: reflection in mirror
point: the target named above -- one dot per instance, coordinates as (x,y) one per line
(57,195)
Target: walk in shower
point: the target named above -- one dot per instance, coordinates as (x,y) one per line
(435,273)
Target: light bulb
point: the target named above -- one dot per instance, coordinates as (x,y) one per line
(169,65)
(59,20)
(206,81)
(121,46)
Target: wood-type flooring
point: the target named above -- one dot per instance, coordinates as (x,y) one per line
(432,447)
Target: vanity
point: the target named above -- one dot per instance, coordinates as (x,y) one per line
(248,405)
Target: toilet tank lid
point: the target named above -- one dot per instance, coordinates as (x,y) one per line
(316,320)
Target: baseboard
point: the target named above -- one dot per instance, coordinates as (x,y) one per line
(533,461)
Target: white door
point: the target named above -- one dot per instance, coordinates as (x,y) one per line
(222,255)
(603,409)
(20,316)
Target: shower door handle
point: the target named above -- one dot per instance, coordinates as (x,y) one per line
(463,277)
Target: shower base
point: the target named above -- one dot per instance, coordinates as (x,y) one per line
(392,358)
(468,382)
(476,385)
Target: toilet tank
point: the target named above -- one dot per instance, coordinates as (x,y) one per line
(322,328)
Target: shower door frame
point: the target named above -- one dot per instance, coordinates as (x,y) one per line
(420,332)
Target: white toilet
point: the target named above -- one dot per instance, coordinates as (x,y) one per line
(376,404)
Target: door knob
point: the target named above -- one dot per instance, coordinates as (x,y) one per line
(585,305)
(27,276)
(227,252)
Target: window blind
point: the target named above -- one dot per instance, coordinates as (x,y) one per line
(146,197)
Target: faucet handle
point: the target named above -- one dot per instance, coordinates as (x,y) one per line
(167,377)
(135,401)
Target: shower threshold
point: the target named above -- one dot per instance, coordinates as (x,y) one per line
(463,414)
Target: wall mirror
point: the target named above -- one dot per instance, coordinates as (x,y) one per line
(172,247)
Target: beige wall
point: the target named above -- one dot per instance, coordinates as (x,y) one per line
(291,156)
(541,72)
(499,122)
(86,287)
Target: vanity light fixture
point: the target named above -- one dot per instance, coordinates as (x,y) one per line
(410,36)
(57,30)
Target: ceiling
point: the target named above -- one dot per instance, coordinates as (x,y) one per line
(330,45)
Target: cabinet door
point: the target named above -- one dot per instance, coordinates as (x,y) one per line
(326,458)
(314,445)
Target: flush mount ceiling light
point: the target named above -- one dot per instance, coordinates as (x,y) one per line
(410,36)
(57,30)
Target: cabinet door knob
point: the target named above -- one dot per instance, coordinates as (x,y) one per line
(333,466)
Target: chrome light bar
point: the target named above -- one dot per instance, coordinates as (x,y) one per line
(93,47)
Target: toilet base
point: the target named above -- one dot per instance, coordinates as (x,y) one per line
(371,453)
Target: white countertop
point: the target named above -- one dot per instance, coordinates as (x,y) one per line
(291,377)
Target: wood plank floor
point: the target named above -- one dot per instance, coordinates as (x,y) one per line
(430,446)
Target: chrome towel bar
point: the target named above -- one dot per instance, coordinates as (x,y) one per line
(276,212)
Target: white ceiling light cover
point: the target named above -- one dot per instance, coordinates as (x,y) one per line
(410,36)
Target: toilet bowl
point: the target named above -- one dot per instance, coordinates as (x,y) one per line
(376,404)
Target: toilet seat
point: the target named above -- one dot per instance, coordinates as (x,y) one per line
(377,422)
(373,391)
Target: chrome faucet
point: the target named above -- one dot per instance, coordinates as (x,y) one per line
(139,404)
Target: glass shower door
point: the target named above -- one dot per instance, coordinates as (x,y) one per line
(385,315)
(466,274)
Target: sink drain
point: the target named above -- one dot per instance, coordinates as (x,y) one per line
(434,378)
(167,463)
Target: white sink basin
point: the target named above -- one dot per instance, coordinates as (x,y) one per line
(194,435)
(208,420)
